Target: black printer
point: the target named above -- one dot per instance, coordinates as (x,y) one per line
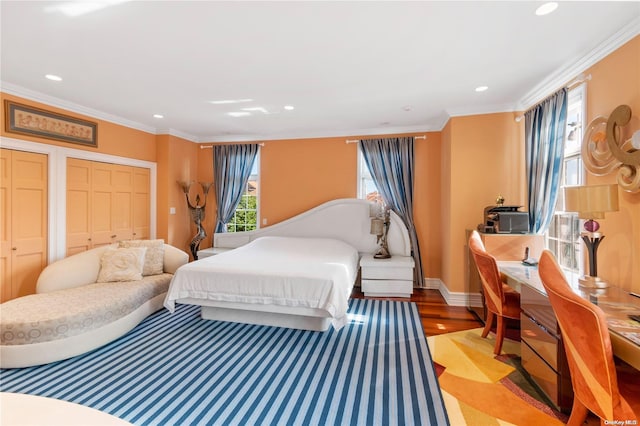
(504,220)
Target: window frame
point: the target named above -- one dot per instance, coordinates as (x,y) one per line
(232,222)
(558,239)
(364,176)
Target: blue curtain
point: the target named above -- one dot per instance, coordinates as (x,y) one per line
(231,167)
(390,162)
(545,126)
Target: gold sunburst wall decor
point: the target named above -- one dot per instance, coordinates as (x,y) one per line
(611,145)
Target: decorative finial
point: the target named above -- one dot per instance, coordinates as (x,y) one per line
(500,200)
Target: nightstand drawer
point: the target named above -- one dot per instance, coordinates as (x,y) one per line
(387,287)
(387,273)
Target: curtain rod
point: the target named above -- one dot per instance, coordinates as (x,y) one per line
(358,140)
(211,146)
(571,85)
(578,81)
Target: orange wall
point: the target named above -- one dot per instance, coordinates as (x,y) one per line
(178,160)
(112,138)
(483,157)
(615,81)
(298,174)
(427,207)
(205,174)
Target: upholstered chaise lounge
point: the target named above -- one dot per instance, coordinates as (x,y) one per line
(72,313)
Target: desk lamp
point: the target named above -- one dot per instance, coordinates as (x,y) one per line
(591,202)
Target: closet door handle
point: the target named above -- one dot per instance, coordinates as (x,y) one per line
(14,248)
(113,236)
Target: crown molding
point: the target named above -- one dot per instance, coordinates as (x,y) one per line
(312,135)
(565,74)
(487,109)
(35,96)
(179,134)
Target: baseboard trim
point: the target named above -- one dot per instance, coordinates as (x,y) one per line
(453,298)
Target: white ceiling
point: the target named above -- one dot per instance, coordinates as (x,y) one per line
(348,68)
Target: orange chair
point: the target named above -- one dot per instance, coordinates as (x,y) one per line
(501,300)
(596,386)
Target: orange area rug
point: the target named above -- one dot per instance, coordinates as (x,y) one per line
(480,388)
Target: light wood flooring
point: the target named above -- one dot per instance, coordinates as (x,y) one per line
(437,317)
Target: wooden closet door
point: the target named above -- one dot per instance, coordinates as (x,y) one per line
(102,205)
(5,224)
(123,202)
(29,213)
(78,205)
(141,203)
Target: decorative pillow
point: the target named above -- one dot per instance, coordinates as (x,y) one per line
(153,259)
(121,264)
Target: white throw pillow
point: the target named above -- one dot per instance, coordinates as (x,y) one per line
(153,259)
(121,264)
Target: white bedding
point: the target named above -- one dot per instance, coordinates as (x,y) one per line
(287,271)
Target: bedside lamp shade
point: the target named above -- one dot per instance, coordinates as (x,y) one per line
(591,202)
(377,226)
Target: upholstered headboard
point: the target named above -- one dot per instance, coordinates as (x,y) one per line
(343,219)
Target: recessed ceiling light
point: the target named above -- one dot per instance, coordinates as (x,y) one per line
(546,8)
(230,101)
(53,77)
(289,107)
(158,116)
(239,113)
(481,88)
(258,109)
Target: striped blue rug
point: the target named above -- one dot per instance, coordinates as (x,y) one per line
(181,370)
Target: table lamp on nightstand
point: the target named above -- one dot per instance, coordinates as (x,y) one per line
(380,227)
(591,202)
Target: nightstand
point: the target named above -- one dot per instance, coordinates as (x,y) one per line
(212,251)
(391,277)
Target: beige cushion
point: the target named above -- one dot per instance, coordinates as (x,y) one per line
(121,264)
(153,258)
(61,314)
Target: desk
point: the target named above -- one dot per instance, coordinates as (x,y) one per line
(542,351)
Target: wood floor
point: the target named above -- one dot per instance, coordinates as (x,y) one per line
(437,317)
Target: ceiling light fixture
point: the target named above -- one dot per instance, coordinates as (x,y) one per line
(230,101)
(158,116)
(481,88)
(259,109)
(289,107)
(239,113)
(53,77)
(76,8)
(546,8)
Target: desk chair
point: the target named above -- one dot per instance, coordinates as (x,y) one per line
(501,300)
(588,347)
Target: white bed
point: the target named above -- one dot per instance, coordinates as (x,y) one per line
(291,272)
(297,274)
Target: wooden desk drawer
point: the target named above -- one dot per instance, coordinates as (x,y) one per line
(539,340)
(545,377)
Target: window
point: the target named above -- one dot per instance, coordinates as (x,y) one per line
(563,236)
(246,216)
(367,189)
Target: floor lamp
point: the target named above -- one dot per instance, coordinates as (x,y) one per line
(591,202)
